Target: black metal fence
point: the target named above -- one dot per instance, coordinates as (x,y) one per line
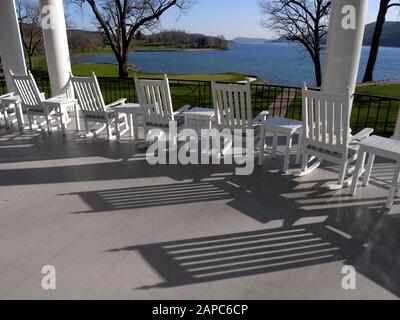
(377,112)
(3,87)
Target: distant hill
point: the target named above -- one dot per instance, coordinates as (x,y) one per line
(279,40)
(249,40)
(390,35)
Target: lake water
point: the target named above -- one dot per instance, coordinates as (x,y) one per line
(279,63)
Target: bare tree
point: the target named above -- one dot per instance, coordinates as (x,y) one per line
(384,7)
(31,33)
(304,21)
(119,21)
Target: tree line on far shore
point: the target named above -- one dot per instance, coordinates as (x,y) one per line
(179,38)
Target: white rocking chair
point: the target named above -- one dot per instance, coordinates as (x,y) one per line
(233,109)
(93,108)
(155,100)
(34,103)
(327,133)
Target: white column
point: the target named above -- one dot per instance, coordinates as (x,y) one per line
(11,49)
(345,38)
(56,44)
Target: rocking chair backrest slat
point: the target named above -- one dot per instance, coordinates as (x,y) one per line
(87,92)
(27,90)
(327,120)
(155,99)
(232,104)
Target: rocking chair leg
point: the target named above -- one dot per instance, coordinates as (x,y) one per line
(342,175)
(109,132)
(118,127)
(30,121)
(20,117)
(287,154)
(274,145)
(299,148)
(87,127)
(262,147)
(304,162)
(48,122)
(63,120)
(368,172)
(393,189)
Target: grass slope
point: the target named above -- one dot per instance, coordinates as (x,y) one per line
(111,70)
(387,90)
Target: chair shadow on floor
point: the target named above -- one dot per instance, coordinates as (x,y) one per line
(319,226)
(214,258)
(153,196)
(372,245)
(207,259)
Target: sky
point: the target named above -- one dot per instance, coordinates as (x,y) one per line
(231,18)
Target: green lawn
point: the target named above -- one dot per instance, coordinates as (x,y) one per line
(39,63)
(382,116)
(101,70)
(388,90)
(111,70)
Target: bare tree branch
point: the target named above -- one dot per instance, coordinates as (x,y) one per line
(384,7)
(119,21)
(31,33)
(303,21)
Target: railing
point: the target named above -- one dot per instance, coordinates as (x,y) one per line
(377,112)
(3,87)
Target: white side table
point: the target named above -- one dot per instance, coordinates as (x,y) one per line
(385,148)
(62,105)
(6,103)
(133,111)
(285,127)
(198,115)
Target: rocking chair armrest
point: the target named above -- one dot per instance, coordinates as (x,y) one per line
(116,103)
(60,96)
(364,134)
(7,95)
(261,117)
(183,109)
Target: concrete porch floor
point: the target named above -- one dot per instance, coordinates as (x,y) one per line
(117,228)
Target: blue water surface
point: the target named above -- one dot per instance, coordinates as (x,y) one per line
(279,63)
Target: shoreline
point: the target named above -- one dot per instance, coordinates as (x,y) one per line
(148,50)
